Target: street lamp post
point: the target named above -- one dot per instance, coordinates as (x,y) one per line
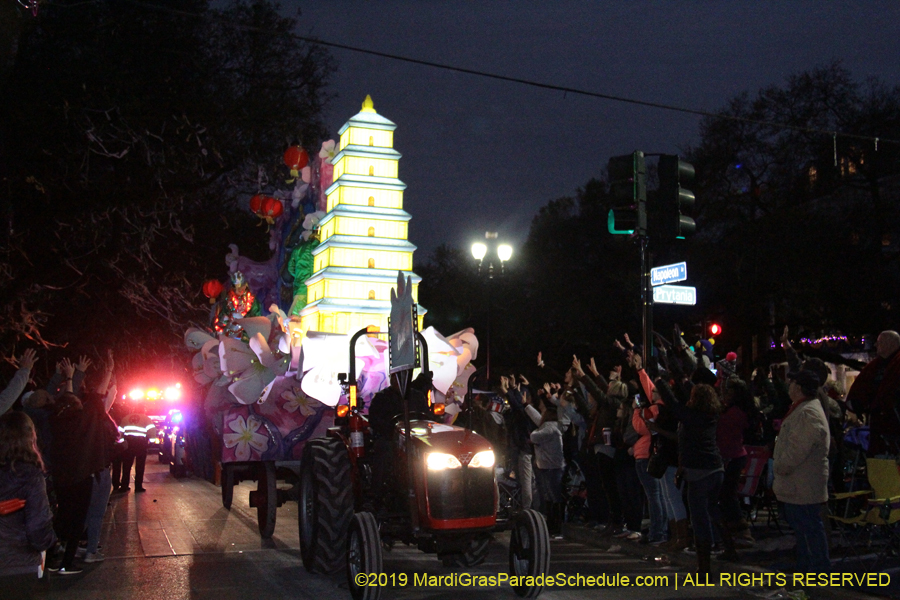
(486,253)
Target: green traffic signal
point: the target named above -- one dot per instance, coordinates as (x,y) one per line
(622,221)
(628,187)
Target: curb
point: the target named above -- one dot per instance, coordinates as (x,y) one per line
(680,562)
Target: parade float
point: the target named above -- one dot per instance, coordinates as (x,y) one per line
(279,330)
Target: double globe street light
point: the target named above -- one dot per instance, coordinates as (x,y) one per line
(490,255)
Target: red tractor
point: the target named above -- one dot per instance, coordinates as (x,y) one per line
(423,483)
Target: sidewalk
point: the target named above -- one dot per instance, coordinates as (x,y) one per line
(771,547)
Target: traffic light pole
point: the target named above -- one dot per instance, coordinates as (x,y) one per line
(647,306)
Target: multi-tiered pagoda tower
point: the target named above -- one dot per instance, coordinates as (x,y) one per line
(364,233)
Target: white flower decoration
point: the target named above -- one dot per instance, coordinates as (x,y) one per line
(245,437)
(252,379)
(296,400)
(311,222)
(327,153)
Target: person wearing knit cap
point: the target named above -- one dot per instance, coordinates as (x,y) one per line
(728,367)
(703,375)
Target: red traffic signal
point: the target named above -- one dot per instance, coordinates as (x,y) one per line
(715,329)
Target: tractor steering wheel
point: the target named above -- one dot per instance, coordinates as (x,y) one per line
(412,414)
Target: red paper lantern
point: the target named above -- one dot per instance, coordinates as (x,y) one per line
(272,208)
(256,203)
(296,158)
(212,289)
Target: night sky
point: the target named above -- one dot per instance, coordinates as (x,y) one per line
(480,154)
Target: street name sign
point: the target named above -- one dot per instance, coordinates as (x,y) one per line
(668,274)
(675,294)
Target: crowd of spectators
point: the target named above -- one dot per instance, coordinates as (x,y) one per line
(670,442)
(57,447)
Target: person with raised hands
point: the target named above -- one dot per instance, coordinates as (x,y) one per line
(598,450)
(17,384)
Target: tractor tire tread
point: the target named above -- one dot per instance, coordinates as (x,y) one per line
(334,505)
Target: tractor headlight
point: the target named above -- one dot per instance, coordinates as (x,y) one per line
(483,459)
(438,461)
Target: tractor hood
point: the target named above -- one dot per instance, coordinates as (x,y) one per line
(429,436)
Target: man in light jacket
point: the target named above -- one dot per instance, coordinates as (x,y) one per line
(801,471)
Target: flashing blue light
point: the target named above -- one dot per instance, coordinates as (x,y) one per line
(738,166)
(176,418)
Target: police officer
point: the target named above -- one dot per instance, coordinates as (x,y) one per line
(137,429)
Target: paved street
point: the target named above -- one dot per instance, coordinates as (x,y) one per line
(176,541)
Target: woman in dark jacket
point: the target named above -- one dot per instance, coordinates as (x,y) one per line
(662,423)
(598,451)
(699,460)
(72,463)
(739,417)
(25,531)
(102,435)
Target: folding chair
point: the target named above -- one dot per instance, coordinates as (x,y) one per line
(884,506)
(574,492)
(856,444)
(509,494)
(752,487)
(881,512)
(847,512)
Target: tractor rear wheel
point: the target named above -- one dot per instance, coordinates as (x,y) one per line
(325,505)
(529,550)
(364,557)
(475,552)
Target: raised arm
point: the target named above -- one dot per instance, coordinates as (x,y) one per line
(793,358)
(17,384)
(68,369)
(107,375)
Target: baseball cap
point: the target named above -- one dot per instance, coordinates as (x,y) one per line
(807,380)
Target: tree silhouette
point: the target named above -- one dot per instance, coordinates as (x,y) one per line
(131,137)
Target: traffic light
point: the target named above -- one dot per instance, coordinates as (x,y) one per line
(672,199)
(715,329)
(628,187)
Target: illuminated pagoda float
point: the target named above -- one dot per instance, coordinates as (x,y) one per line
(363,234)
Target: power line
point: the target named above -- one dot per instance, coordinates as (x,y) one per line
(538,84)
(571,90)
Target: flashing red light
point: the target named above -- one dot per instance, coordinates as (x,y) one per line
(170,393)
(715,329)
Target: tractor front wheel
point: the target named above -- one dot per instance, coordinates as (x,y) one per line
(364,557)
(529,550)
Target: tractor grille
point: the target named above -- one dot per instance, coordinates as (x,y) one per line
(461,493)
